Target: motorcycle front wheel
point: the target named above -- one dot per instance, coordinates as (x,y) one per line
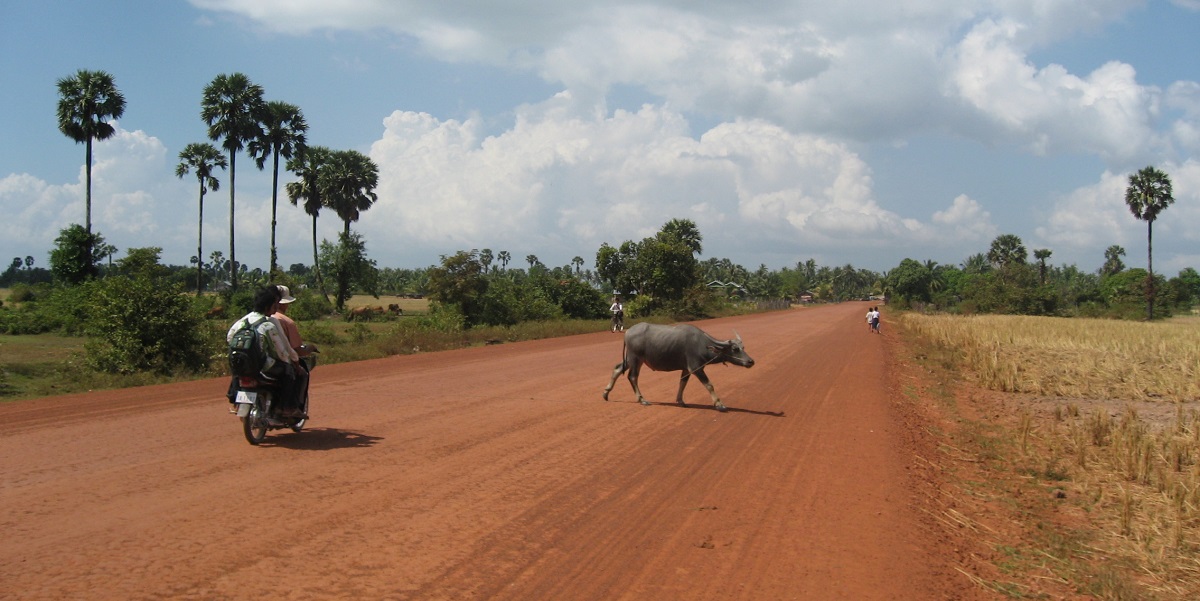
(255,427)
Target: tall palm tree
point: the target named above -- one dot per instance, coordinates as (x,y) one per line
(504,257)
(1149,192)
(231,107)
(485,257)
(307,165)
(578,263)
(283,135)
(532,260)
(348,183)
(1041,255)
(85,101)
(204,158)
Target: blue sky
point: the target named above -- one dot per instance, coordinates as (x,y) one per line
(855,132)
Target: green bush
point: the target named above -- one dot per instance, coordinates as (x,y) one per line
(318,332)
(642,305)
(22,293)
(140,324)
(309,305)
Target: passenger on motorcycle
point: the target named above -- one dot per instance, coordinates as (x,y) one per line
(281,360)
(291,333)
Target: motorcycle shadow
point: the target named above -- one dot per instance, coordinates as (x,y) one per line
(321,439)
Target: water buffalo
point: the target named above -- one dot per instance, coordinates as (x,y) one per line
(680,347)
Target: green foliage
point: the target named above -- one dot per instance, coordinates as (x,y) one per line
(319,332)
(22,293)
(577,299)
(238,302)
(663,266)
(142,263)
(640,306)
(1006,250)
(442,318)
(1128,286)
(139,324)
(911,281)
(72,260)
(460,283)
(348,264)
(309,305)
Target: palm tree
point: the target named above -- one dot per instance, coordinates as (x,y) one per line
(532,260)
(85,101)
(1112,260)
(231,108)
(976,263)
(283,135)
(307,165)
(1149,192)
(348,183)
(204,158)
(1041,255)
(578,263)
(1007,249)
(504,257)
(485,257)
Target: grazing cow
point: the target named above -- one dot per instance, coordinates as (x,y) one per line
(360,314)
(680,347)
(395,309)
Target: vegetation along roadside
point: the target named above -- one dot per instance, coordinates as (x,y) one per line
(1075,447)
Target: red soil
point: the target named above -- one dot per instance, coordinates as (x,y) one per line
(495,473)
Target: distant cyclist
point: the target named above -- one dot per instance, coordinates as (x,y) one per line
(618,315)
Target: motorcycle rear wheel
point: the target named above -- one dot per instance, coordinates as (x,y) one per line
(255,427)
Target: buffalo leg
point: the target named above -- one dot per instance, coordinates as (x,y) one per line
(711,391)
(683,380)
(634,371)
(617,371)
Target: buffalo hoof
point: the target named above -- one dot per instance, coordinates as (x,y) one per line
(720,407)
(644,402)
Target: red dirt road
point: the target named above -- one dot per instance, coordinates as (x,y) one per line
(492,473)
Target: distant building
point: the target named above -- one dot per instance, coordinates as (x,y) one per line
(729,287)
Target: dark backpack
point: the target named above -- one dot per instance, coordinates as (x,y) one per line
(246,357)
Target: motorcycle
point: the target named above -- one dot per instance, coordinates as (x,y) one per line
(258,406)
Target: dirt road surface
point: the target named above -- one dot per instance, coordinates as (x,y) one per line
(495,472)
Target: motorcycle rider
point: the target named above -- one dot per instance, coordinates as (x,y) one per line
(292,334)
(281,360)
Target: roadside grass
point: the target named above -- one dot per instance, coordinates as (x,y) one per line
(1090,442)
(51,364)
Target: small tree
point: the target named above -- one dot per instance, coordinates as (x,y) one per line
(71,261)
(459,282)
(348,263)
